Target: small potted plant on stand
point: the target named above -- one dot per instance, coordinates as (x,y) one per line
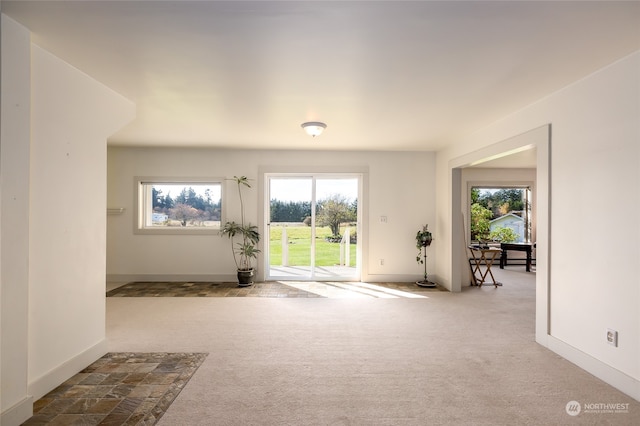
(245,251)
(423,240)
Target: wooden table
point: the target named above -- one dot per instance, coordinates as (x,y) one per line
(517,247)
(483,257)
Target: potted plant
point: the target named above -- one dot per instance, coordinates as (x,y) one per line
(423,240)
(245,250)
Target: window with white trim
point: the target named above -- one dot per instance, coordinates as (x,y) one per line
(501,212)
(178,206)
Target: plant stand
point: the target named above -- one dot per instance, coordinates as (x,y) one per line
(425,282)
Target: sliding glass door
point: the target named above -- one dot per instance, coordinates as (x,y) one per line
(312,227)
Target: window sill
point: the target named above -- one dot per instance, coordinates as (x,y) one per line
(176,231)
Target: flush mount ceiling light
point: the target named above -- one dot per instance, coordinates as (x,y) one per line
(313,128)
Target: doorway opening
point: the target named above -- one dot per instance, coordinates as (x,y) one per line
(536,141)
(312,227)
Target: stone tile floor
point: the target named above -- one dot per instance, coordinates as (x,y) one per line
(296,289)
(118,389)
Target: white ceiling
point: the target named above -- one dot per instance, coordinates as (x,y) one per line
(383,75)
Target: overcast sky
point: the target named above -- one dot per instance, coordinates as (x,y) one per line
(299,189)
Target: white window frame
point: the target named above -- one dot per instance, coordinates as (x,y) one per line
(142,202)
(528,187)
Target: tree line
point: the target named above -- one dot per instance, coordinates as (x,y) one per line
(290,211)
(187,207)
(332,212)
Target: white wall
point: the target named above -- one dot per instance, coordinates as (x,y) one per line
(400,186)
(595,163)
(14,226)
(55,265)
(72,116)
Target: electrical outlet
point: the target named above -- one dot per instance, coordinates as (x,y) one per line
(381,262)
(383,219)
(612,337)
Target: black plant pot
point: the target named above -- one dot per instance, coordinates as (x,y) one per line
(425,240)
(245,278)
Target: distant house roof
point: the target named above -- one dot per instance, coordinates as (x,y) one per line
(503,218)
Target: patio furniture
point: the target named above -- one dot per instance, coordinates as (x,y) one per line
(526,247)
(483,256)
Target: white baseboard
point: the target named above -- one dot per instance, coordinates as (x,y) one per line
(17,414)
(49,381)
(127,278)
(619,380)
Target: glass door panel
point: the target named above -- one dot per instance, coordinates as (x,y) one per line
(289,227)
(312,227)
(336,217)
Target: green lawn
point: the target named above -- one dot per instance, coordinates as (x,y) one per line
(327,254)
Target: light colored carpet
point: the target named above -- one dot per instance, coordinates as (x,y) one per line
(467,358)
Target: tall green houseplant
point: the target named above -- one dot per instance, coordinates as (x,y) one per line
(245,249)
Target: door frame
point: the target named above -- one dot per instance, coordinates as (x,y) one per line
(325,171)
